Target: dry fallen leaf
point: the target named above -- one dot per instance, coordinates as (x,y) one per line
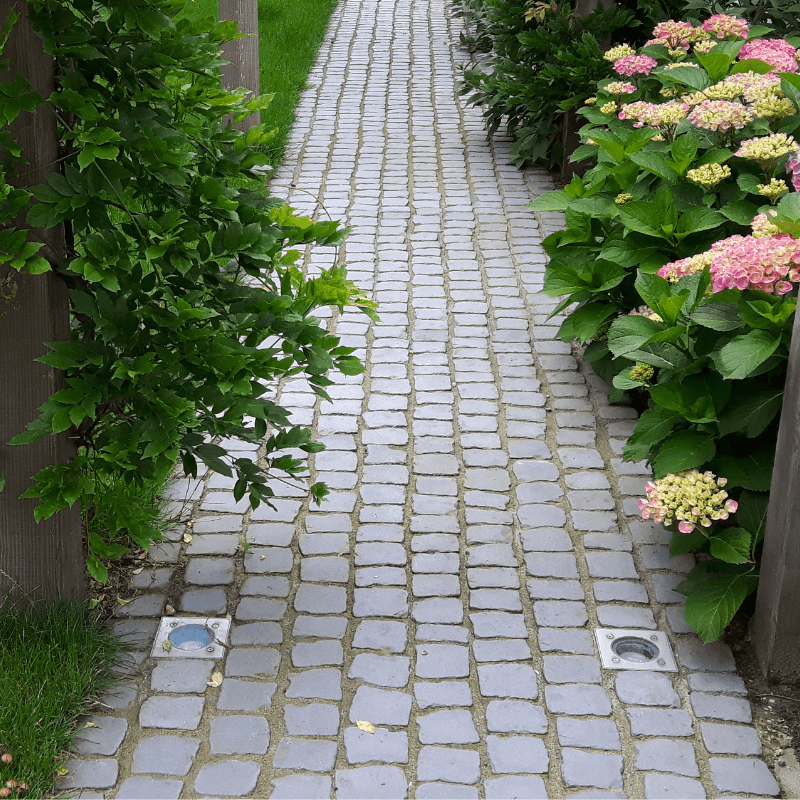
(62,772)
(167,645)
(365,726)
(122,602)
(187,537)
(262,558)
(138,570)
(169,609)
(90,725)
(216,680)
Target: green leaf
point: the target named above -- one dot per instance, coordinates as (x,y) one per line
(687,76)
(631,332)
(655,163)
(751,411)
(698,219)
(96,568)
(752,471)
(740,211)
(643,217)
(584,323)
(718,316)
(681,543)
(662,355)
(712,603)
(683,450)
(752,513)
(731,545)
(652,427)
(743,354)
(715,63)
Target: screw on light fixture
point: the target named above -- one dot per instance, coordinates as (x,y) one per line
(632,649)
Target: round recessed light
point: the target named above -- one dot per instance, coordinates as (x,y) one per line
(635,650)
(191,637)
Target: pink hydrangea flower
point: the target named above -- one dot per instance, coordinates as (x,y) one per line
(726,27)
(654,114)
(635,65)
(793,168)
(619,87)
(778,53)
(720,115)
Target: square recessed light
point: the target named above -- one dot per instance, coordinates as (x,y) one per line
(191,637)
(629,648)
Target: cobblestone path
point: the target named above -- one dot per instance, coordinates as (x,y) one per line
(481,520)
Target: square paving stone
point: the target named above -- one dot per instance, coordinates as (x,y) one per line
(205,601)
(555,590)
(227,779)
(737,739)
(380,553)
(625,617)
(442,693)
(380,707)
(492,578)
(571,669)
(320,627)
(315,719)
(551,565)
(501,599)
(386,746)
(442,661)
(380,602)
(548,540)
(260,608)
(508,680)
(99,773)
(646,689)
(257,633)
(371,783)
(435,562)
(391,671)
(611,565)
(595,734)
(446,791)
(171,712)
(438,610)
(436,586)
(660,722)
(213,544)
(441,633)
(560,614)
(448,764)
(711,657)
(517,754)
(501,650)
(322,684)
(305,754)
(567,640)
(325,569)
(577,699)
(493,624)
(266,585)
(317,654)
(541,515)
(239,735)
(516,786)
(743,776)
(625,591)
(372,634)
(315,599)
(301,787)
(734,709)
(209,571)
(181,677)
(667,755)
(515,716)
(103,739)
(580,768)
(148,605)
(380,576)
(716,682)
(252,662)
(447,727)
(237,695)
(152,788)
(672,787)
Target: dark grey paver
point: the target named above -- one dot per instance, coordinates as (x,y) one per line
(672,787)
(448,764)
(577,699)
(209,571)
(99,773)
(442,693)
(181,676)
(103,738)
(305,754)
(380,706)
(580,768)
(734,709)
(391,671)
(314,599)
(239,735)
(493,624)
(211,601)
(301,787)
(152,788)
(165,755)
(380,634)
(260,608)
(516,786)
(446,791)
(380,602)
(231,778)
(389,747)
(739,740)
(515,716)
(442,661)
(317,654)
(438,610)
(320,627)
(659,722)
(257,633)
(743,776)
(560,613)
(171,712)
(508,680)
(501,650)
(237,695)
(252,662)
(571,669)
(595,734)
(517,754)
(712,657)
(646,689)
(371,783)
(314,719)
(322,684)
(667,755)
(447,727)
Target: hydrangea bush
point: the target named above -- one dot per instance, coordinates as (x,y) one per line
(691,207)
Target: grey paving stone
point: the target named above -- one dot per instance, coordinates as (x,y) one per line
(212,544)
(260,608)
(625,617)
(380,602)
(314,719)
(275,534)
(380,576)
(608,541)
(436,586)
(152,578)
(320,544)
(711,657)
(442,693)
(626,591)
(447,727)
(317,654)
(103,739)
(446,791)
(667,755)
(380,707)
(320,627)
(305,754)
(448,764)
(672,787)
(314,599)
(435,562)
(434,543)
(99,773)
(739,740)
(743,776)
(181,676)
(659,722)
(611,565)
(541,515)
(536,471)
(716,682)
(252,662)
(646,689)
(577,699)
(555,590)
(237,695)
(171,712)
(595,734)
(734,709)
(438,610)
(571,669)
(508,680)
(325,569)
(209,571)
(560,614)
(515,716)
(505,599)
(516,786)
(147,605)
(501,650)
(231,778)
(492,578)
(517,754)
(204,601)
(321,684)
(371,553)
(546,540)
(566,640)
(257,633)
(119,696)
(152,788)
(389,747)
(379,634)
(301,787)
(239,735)
(580,768)
(391,671)
(441,633)
(491,555)
(492,624)
(371,783)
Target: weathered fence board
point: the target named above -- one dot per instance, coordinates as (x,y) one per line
(242,54)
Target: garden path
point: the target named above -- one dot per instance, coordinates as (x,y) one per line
(481,521)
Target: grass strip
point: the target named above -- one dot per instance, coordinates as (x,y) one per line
(54,660)
(290,32)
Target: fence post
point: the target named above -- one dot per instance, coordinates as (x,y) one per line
(776,625)
(242,68)
(42,560)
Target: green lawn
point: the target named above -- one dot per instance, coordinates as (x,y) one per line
(290,34)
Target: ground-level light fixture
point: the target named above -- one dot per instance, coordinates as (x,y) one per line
(629,648)
(191,637)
